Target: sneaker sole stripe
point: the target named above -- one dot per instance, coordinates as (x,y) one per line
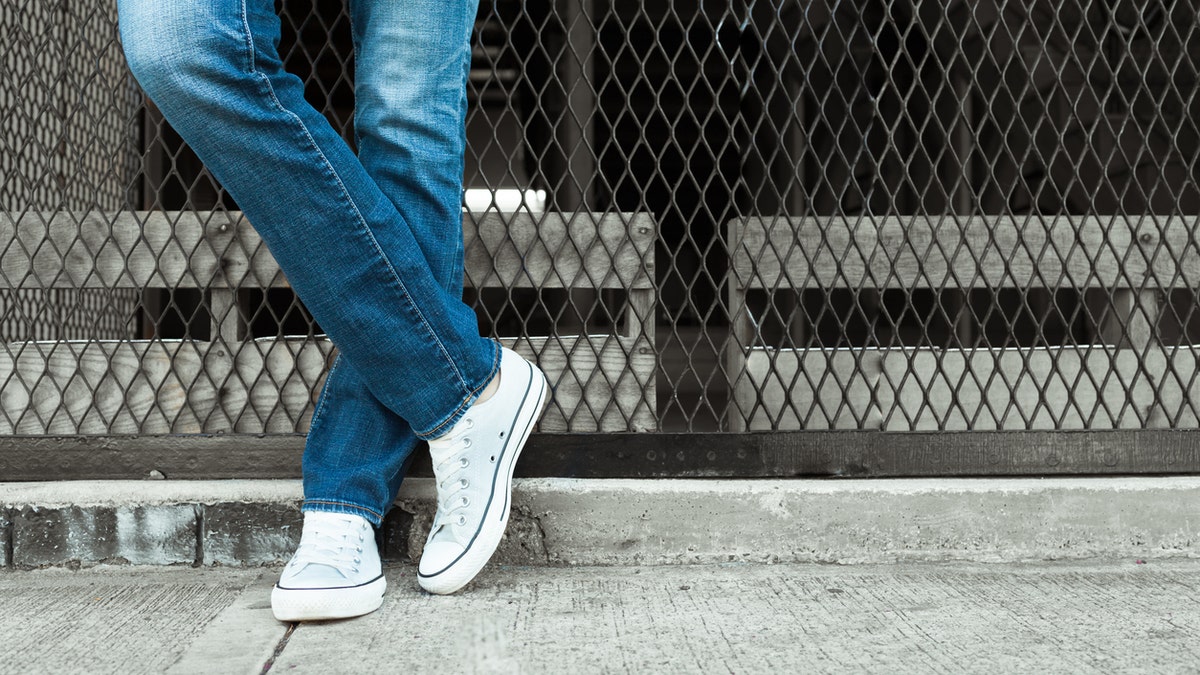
(327,588)
(531,413)
(495,474)
(319,604)
(539,407)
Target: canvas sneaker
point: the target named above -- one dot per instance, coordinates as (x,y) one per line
(473,466)
(335,572)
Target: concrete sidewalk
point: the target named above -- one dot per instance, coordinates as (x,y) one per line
(1115,616)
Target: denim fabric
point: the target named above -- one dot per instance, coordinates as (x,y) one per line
(372,243)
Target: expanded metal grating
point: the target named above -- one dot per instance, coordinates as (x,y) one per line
(736,216)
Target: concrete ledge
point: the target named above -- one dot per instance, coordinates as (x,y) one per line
(138,534)
(624,522)
(5,537)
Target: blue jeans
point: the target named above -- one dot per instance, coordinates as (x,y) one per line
(372,244)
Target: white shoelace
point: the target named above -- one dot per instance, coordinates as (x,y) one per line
(336,550)
(449,465)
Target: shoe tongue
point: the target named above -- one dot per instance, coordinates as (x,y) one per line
(446,445)
(441,447)
(327,571)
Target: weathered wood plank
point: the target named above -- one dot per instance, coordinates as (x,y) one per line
(104,387)
(1004,389)
(789,389)
(220,249)
(61,249)
(965,252)
(1092,387)
(599,382)
(269,385)
(559,250)
(274,385)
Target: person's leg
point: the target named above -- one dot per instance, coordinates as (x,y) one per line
(411,64)
(214,72)
(412,61)
(355,262)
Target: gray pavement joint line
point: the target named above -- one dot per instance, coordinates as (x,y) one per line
(541,537)
(199,562)
(240,639)
(9,533)
(279,648)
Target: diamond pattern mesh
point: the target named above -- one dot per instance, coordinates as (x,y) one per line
(698,216)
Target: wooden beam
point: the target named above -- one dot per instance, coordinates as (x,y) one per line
(216,249)
(776,454)
(270,385)
(955,390)
(1088,387)
(141,249)
(806,389)
(781,253)
(105,387)
(560,250)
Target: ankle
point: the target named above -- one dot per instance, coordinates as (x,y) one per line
(490,390)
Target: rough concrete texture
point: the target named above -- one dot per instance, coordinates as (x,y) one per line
(951,618)
(250,533)
(1104,617)
(160,534)
(623,522)
(243,638)
(5,537)
(407,528)
(119,492)
(112,619)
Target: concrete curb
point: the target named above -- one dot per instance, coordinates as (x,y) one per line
(623,522)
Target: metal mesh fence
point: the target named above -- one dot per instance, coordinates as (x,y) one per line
(698,216)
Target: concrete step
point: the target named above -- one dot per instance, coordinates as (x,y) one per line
(629,522)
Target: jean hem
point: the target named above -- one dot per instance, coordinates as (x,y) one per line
(447,422)
(340,506)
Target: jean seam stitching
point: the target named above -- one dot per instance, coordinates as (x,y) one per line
(250,67)
(266,82)
(312,424)
(432,433)
(334,502)
(367,228)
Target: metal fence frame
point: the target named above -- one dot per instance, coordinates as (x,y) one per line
(827,238)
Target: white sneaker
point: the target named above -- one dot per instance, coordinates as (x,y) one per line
(335,572)
(473,465)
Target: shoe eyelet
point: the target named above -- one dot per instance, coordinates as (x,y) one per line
(357,560)
(466,442)
(466,502)
(492,458)
(501,434)
(463,483)
(462,520)
(470,423)
(359,549)
(464,463)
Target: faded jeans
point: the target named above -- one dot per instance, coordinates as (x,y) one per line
(372,244)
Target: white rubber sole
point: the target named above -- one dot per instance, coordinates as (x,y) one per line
(463,570)
(319,604)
